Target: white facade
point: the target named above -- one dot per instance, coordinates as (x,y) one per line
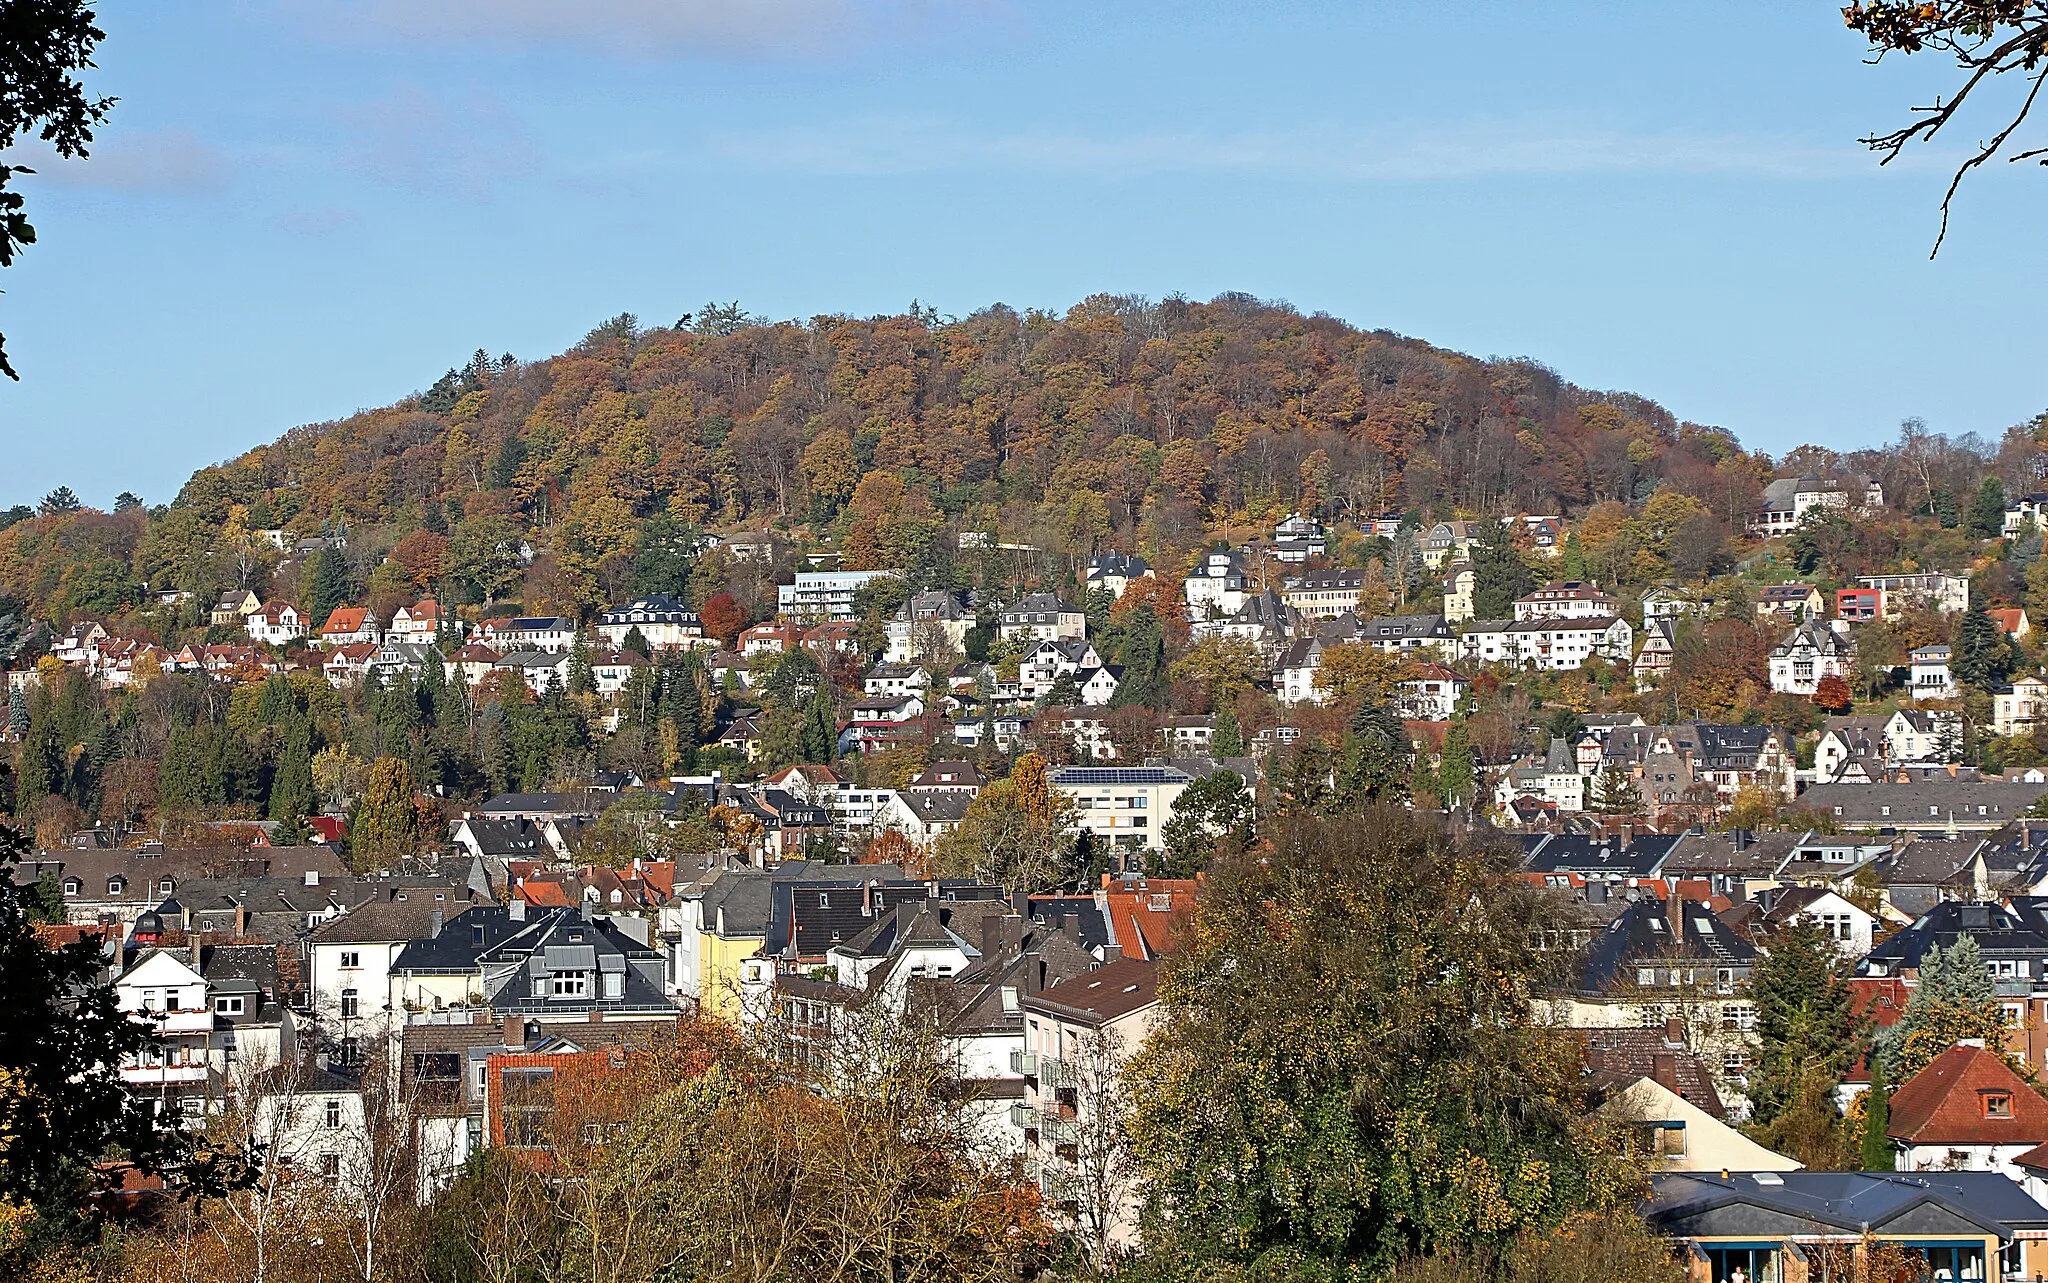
(823,594)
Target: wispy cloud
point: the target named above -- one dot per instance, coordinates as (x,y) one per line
(645,28)
(168,161)
(1471,148)
(461,146)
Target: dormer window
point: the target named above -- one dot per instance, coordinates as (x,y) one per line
(1997,1104)
(72,886)
(165,886)
(117,886)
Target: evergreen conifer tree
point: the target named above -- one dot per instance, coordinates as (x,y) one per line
(1957,999)
(1877,1151)
(1499,575)
(1229,739)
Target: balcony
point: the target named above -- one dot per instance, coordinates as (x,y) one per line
(1024,1063)
(1023,1117)
(162,1075)
(198,1021)
(1054,1129)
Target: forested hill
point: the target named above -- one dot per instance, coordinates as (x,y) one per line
(1124,422)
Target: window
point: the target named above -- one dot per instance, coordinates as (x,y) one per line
(117,886)
(230,1004)
(330,1168)
(351,960)
(569,984)
(1646,976)
(72,886)
(350,1051)
(332,1114)
(351,1004)
(165,886)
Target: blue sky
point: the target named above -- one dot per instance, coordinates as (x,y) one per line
(303,207)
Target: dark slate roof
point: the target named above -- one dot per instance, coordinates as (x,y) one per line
(382,921)
(517,836)
(1998,931)
(1647,931)
(1846,1201)
(1925,805)
(1643,857)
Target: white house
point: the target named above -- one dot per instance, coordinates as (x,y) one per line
(823,594)
(1217,587)
(1431,695)
(1114,572)
(1811,651)
(530,633)
(275,623)
(661,618)
(1568,599)
(1042,617)
(929,621)
(2020,707)
(1931,678)
(1565,644)
(1933,589)
(1294,676)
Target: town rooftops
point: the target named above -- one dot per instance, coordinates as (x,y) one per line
(1100,996)
(1110,776)
(1778,1205)
(1968,1096)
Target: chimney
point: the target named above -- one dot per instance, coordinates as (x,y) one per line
(433,924)
(1664,1071)
(515,908)
(241,919)
(515,1031)
(195,950)
(312,877)
(991,935)
(1596,892)
(1674,1032)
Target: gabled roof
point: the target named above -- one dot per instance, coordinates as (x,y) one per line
(1847,1202)
(1944,1104)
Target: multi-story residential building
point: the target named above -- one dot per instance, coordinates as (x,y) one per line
(1264,620)
(1930,677)
(888,679)
(1324,594)
(1294,673)
(1041,667)
(1401,634)
(1653,658)
(1431,694)
(1042,617)
(1217,587)
(551,966)
(1125,807)
(1458,586)
(1925,590)
(1564,644)
(215,1008)
(1938,805)
(2020,708)
(1566,599)
(1790,603)
(931,622)
(419,622)
(1811,652)
(1297,539)
(1876,743)
(1730,758)
(1665,602)
(351,626)
(530,632)
(1113,572)
(823,594)
(274,623)
(1665,959)
(1787,500)
(1448,541)
(661,618)
(1078,1035)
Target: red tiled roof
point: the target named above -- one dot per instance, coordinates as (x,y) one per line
(2007,618)
(344,619)
(1944,1104)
